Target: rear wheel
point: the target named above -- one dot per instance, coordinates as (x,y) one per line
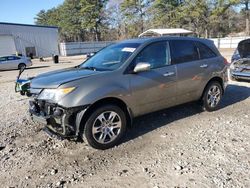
(212,96)
(105,127)
(21,66)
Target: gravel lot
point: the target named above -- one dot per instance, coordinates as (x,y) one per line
(177,147)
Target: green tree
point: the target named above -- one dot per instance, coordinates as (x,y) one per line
(50,17)
(77,19)
(93,16)
(70,22)
(193,15)
(41,18)
(219,15)
(135,16)
(81,20)
(66,17)
(166,13)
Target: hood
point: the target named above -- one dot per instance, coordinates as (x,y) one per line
(244,48)
(56,78)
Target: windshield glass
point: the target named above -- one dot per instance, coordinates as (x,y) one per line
(111,57)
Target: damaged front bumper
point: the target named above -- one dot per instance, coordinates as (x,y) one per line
(240,69)
(65,122)
(241,75)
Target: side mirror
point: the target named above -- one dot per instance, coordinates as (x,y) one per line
(142,67)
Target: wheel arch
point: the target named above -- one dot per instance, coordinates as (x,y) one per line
(19,65)
(217,79)
(105,101)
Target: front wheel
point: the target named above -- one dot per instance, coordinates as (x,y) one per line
(21,66)
(212,96)
(105,127)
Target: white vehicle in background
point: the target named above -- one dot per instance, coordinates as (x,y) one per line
(14,62)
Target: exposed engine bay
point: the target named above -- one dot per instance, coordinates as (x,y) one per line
(240,67)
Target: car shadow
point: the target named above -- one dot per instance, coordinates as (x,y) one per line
(152,121)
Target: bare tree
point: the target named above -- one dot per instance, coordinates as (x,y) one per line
(246,9)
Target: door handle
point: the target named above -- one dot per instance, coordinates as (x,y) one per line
(169,74)
(204,66)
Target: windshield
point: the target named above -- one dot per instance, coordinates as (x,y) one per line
(111,57)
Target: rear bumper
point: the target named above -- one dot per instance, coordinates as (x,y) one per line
(59,120)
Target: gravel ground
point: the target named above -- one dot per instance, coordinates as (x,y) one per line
(176,147)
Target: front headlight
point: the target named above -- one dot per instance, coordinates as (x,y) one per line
(55,94)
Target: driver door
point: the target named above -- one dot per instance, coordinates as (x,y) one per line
(154,89)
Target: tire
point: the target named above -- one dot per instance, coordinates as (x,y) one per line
(100,131)
(212,96)
(21,65)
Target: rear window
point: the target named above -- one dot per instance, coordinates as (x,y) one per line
(183,51)
(204,51)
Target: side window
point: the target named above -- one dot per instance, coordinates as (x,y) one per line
(10,58)
(13,58)
(16,58)
(183,51)
(2,59)
(204,51)
(156,54)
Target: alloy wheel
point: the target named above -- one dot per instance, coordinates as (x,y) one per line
(106,127)
(213,96)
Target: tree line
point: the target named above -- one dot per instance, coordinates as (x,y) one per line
(95,20)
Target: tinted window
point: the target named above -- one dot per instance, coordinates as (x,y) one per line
(10,58)
(2,59)
(205,52)
(183,51)
(156,54)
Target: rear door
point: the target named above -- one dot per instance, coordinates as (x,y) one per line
(155,89)
(13,61)
(210,62)
(185,55)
